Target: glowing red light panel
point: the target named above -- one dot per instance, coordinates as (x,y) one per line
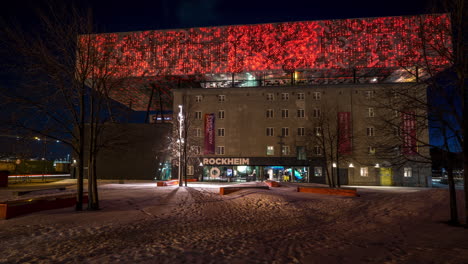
(350,43)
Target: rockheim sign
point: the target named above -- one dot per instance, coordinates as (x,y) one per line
(226,161)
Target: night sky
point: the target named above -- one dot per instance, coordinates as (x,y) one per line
(135,15)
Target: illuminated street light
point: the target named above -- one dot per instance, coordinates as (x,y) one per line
(180,141)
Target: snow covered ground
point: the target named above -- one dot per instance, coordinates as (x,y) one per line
(141,223)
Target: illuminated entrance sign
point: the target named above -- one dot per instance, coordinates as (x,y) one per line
(226,161)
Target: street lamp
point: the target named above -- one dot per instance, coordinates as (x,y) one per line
(181,119)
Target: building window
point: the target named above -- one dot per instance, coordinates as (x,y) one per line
(318,131)
(301,153)
(371,150)
(317,150)
(370,112)
(300,96)
(284,113)
(220,150)
(196,150)
(221,98)
(300,113)
(220,132)
(407,172)
(270,97)
(198,115)
(316,112)
(189,170)
(285,150)
(364,171)
(370,131)
(270,150)
(396,113)
(284,96)
(198,98)
(369,94)
(285,131)
(301,131)
(198,132)
(318,171)
(269,113)
(221,114)
(317,95)
(270,131)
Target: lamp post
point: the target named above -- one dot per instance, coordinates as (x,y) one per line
(181,119)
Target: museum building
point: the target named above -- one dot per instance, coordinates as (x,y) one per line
(310,101)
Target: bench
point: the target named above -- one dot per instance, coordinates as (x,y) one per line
(11,209)
(271,183)
(231,189)
(19,193)
(329,191)
(172,182)
(167,183)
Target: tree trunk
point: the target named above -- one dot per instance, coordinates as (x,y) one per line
(79,201)
(453,196)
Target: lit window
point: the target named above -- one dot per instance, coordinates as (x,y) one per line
(318,171)
(220,150)
(370,112)
(270,131)
(316,112)
(198,132)
(317,150)
(198,115)
(371,150)
(407,172)
(300,96)
(364,171)
(300,113)
(285,150)
(269,113)
(220,132)
(221,98)
(301,131)
(198,98)
(370,131)
(270,150)
(270,97)
(284,113)
(317,95)
(221,114)
(284,96)
(190,170)
(285,131)
(318,131)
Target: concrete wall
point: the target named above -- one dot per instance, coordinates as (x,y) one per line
(132,151)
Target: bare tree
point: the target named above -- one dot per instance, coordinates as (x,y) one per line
(65,78)
(327,140)
(437,102)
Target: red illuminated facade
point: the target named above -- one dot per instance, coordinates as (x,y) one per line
(198,54)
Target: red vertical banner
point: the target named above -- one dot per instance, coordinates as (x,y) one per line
(209,134)
(344,126)
(408,130)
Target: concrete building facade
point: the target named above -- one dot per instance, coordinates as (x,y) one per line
(273,133)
